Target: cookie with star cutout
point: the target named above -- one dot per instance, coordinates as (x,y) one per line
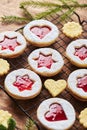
(23,84)
(76,52)
(46,61)
(12,44)
(41,33)
(56,114)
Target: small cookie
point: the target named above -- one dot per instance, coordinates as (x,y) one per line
(72,29)
(12,44)
(6,121)
(76,52)
(41,33)
(23,84)
(46,61)
(77,84)
(4,66)
(83,117)
(55,87)
(56,114)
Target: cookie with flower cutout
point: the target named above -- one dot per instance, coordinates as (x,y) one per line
(12,44)
(4,67)
(41,33)
(55,87)
(46,61)
(23,84)
(56,114)
(72,29)
(83,118)
(77,84)
(76,52)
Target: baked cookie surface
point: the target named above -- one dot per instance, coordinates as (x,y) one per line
(12,44)
(72,29)
(56,114)
(4,66)
(23,84)
(77,84)
(76,52)
(41,33)
(46,61)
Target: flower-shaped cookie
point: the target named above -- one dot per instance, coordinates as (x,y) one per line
(41,33)
(12,44)
(4,66)
(56,114)
(77,84)
(76,52)
(72,29)
(23,84)
(83,117)
(46,61)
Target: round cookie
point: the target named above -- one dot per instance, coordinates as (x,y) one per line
(77,84)
(4,66)
(76,52)
(41,33)
(23,84)
(46,61)
(72,29)
(56,114)
(12,44)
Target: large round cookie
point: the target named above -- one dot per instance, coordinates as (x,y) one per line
(46,61)
(23,84)
(12,44)
(56,114)
(41,33)
(77,84)
(76,52)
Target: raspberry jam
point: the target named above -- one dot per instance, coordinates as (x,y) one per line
(41,32)
(23,83)
(81,52)
(82,83)
(45,61)
(9,43)
(55,113)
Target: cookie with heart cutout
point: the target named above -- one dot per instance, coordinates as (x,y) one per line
(76,52)
(56,114)
(12,44)
(23,84)
(41,33)
(55,87)
(46,61)
(77,84)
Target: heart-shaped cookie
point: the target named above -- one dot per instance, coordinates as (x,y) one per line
(40,31)
(55,87)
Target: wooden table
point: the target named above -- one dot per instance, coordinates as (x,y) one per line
(11,7)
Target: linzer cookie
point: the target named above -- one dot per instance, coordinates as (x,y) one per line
(41,33)
(23,84)
(4,66)
(46,61)
(76,52)
(56,114)
(83,118)
(12,44)
(77,84)
(72,29)
(55,87)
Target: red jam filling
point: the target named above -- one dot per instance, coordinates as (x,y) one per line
(40,31)
(82,83)
(23,83)
(81,52)
(45,61)
(9,43)
(55,113)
